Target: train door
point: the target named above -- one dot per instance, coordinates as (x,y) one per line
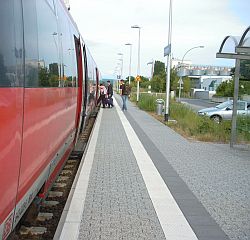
(84,88)
(86,79)
(97,83)
(79,109)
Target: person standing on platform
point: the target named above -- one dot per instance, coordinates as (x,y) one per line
(124,92)
(109,95)
(102,92)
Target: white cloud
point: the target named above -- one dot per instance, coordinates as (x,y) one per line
(105,24)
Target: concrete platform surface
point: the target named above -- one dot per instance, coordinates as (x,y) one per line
(141,180)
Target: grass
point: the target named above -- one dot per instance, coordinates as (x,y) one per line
(191,125)
(196,127)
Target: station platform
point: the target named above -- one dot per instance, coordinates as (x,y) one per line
(141,180)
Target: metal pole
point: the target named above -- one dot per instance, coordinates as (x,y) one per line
(166,115)
(121,67)
(138,67)
(153,66)
(180,82)
(130,55)
(121,59)
(235,99)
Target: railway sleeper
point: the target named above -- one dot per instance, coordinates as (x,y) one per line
(69,166)
(44,216)
(50,203)
(72,161)
(53,194)
(62,179)
(32,230)
(59,185)
(65,172)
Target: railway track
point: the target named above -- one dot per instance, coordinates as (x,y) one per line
(44,224)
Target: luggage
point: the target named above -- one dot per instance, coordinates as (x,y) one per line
(109,101)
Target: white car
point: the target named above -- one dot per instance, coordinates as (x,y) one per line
(224,111)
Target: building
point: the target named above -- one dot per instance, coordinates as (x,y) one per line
(204,79)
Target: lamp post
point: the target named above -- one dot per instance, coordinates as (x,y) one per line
(130,54)
(180,80)
(152,72)
(138,65)
(168,53)
(121,59)
(116,74)
(118,70)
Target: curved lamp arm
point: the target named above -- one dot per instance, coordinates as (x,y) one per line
(189,51)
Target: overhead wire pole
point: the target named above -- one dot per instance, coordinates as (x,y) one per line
(166,115)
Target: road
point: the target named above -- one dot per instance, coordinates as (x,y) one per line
(198,104)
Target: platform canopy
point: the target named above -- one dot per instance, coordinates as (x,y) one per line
(235,47)
(244,44)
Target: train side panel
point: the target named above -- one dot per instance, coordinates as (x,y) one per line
(48,121)
(41,99)
(11,108)
(50,98)
(10,144)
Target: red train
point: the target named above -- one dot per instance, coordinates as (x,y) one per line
(48,89)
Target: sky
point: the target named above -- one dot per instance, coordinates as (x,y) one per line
(105,26)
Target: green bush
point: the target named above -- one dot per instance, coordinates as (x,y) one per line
(147,102)
(202,128)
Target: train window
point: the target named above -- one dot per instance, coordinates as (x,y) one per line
(11,47)
(48,46)
(74,59)
(30,43)
(69,72)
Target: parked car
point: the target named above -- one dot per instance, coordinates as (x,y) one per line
(224,111)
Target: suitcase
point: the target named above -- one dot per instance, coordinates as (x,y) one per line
(109,101)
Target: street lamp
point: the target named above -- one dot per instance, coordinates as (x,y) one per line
(152,72)
(167,52)
(129,44)
(117,73)
(180,80)
(121,59)
(138,65)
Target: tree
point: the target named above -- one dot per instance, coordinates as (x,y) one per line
(159,67)
(173,80)
(144,82)
(245,70)
(158,82)
(225,89)
(186,85)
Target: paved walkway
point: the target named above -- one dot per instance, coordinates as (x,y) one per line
(200,191)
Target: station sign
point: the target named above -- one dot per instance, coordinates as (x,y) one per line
(167,50)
